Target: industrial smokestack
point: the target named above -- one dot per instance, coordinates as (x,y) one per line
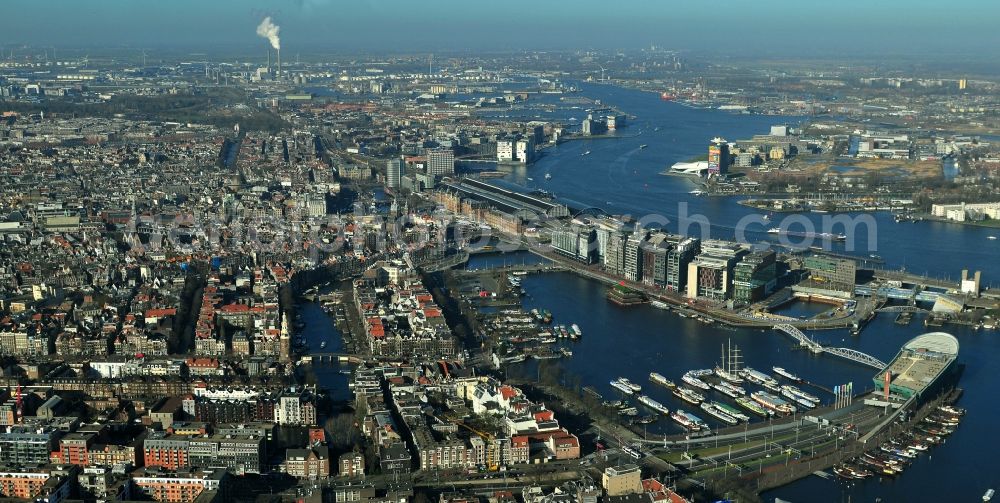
(267,29)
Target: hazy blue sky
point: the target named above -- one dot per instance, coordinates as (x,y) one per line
(780,26)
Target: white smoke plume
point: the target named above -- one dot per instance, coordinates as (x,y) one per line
(269,30)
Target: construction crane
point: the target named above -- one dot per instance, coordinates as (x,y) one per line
(491,446)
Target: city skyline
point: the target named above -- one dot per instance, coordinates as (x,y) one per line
(775,27)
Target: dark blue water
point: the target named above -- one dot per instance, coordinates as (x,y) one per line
(320,327)
(799,308)
(621,178)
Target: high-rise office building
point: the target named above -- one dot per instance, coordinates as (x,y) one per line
(718,157)
(754,277)
(634,256)
(440,162)
(394,170)
(678,258)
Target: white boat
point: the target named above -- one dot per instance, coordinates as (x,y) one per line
(322,345)
(718,413)
(586,153)
(694,381)
(760,378)
(801,401)
(577,332)
(659,304)
(688,395)
(653,404)
(621,387)
(991,238)
(643,146)
(729,389)
(631,385)
(786,374)
(988,495)
(798,393)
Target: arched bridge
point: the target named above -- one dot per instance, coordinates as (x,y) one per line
(815,347)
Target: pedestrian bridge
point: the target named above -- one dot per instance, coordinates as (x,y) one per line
(815,347)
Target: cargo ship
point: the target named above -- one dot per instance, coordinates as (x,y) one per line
(662,381)
(689,396)
(653,404)
(752,406)
(729,389)
(718,413)
(732,411)
(772,402)
(826,236)
(695,381)
(786,374)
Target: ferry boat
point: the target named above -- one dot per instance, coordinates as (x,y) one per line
(752,406)
(801,401)
(620,386)
(575,329)
(718,413)
(688,395)
(732,411)
(760,378)
(694,381)
(629,384)
(729,390)
(786,374)
(772,402)
(683,420)
(653,404)
(659,304)
(662,381)
(828,236)
(798,393)
(698,422)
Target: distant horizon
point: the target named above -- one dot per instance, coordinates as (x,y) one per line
(771,28)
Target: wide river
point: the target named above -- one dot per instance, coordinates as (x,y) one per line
(622,178)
